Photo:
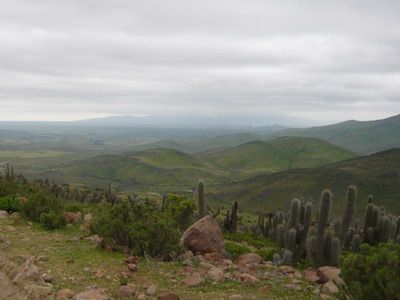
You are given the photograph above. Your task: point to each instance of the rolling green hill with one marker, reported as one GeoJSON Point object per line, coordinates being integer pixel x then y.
{"type": "Point", "coordinates": [361, 137]}
{"type": "Point", "coordinates": [377, 174]}
{"type": "Point", "coordinates": [259, 157]}
{"type": "Point", "coordinates": [163, 169]}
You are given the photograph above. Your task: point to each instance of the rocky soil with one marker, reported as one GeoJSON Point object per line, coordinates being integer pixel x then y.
{"type": "Point", "coordinates": [38, 264]}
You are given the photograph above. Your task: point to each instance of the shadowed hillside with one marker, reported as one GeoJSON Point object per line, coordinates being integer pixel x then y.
{"type": "Point", "coordinates": [377, 174]}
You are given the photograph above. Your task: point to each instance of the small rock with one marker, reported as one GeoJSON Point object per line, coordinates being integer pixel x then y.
{"type": "Point", "coordinates": [248, 277]}
{"type": "Point", "coordinates": [132, 260]}
{"type": "Point", "coordinates": [192, 280]}
{"type": "Point", "coordinates": [141, 297]}
{"type": "Point", "coordinates": [47, 278]}
{"type": "Point", "coordinates": [42, 258]}
{"type": "Point", "coordinates": [127, 291]}
{"type": "Point", "coordinates": [3, 214]}
{"type": "Point", "coordinates": [72, 217]}
{"type": "Point", "coordinates": [330, 288]}
{"type": "Point", "coordinates": [327, 273]}
{"type": "Point", "coordinates": [151, 290]}
{"type": "Point", "coordinates": [216, 274]}
{"type": "Point", "coordinates": [170, 296]}
{"type": "Point", "coordinates": [286, 269]}
{"type": "Point", "coordinates": [65, 294]}
{"type": "Point", "coordinates": [88, 218]}
{"type": "Point", "coordinates": [249, 259]}
{"type": "Point", "coordinates": [235, 297]}
{"type": "Point", "coordinates": [92, 294]}
{"type": "Point", "coordinates": [99, 273]}
{"type": "Point", "coordinates": [38, 291]}
{"type": "Point", "coordinates": [311, 275]}
{"type": "Point", "coordinates": [27, 271]}
{"type": "Point", "coordinates": [132, 267]}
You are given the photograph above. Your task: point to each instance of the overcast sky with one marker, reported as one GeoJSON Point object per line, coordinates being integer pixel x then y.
{"type": "Point", "coordinates": [325, 61]}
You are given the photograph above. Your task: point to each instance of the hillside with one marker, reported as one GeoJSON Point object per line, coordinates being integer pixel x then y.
{"type": "Point", "coordinates": [259, 157]}
{"type": "Point", "coordinates": [361, 137]}
{"type": "Point", "coordinates": [377, 174]}
{"type": "Point", "coordinates": [163, 169]}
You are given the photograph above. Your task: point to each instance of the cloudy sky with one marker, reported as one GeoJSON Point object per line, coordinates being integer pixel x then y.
{"type": "Point", "coordinates": [324, 61]}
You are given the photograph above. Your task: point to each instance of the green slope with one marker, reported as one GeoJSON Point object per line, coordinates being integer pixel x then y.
{"type": "Point", "coordinates": [377, 174]}
{"type": "Point", "coordinates": [361, 137]}
{"type": "Point", "coordinates": [160, 169]}
{"type": "Point", "coordinates": [280, 154]}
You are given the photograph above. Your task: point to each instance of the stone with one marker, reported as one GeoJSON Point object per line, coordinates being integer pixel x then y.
{"type": "Point", "coordinates": [28, 271]}
{"type": "Point", "coordinates": [169, 296]}
{"type": "Point", "coordinates": [235, 297]}
{"type": "Point", "coordinates": [192, 280]}
{"type": "Point", "coordinates": [311, 275]}
{"type": "Point", "coordinates": [88, 218]}
{"type": "Point", "coordinates": [91, 294]}
{"type": "Point", "coordinates": [327, 273]}
{"type": "Point", "coordinates": [42, 258]}
{"type": "Point", "coordinates": [330, 288]}
{"type": "Point", "coordinates": [141, 297]}
{"type": "Point", "coordinates": [216, 274]}
{"type": "Point", "coordinates": [132, 260]}
{"type": "Point", "coordinates": [96, 239]}
{"type": "Point", "coordinates": [286, 269]}
{"type": "Point", "coordinates": [248, 277]}
{"type": "Point", "coordinates": [3, 214]}
{"type": "Point", "coordinates": [204, 236]}
{"type": "Point", "coordinates": [151, 290]}
{"type": "Point", "coordinates": [249, 259]}
{"type": "Point", "coordinates": [99, 273]}
{"type": "Point", "coordinates": [132, 267]}
{"type": "Point", "coordinates": [72, 217]}
{"type": "Point", "coordinates": [65, 294]}
{"type": "Point", "coordinates": [36, 291]}
{"type": "Point", "coordinates": [47, 277]}
{"type": "Point", "coordinates": [127, 291]}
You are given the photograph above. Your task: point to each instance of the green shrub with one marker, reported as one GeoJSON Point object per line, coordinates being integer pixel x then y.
{"type": "Point", "coordinates": [235, 250]}
{"type": "Point", "coordinates": [374, 273]}
{"type": "Point", "coordinates": [10, 204]}
{"type": "Point", "coordinates": [52, 220]}
{"type": "Point", "coordinates": [141, 226]}
{"type": "Point", "coordinates": [41, 203]}
{"type": "Point", "coordinates": [73, 207]}
{"type": "Point", "coordinates": [268, 252]}
{"type": "Point", "coordinates": [181, 210]}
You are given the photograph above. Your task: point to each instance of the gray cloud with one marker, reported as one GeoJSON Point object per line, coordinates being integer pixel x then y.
{"type": "Point", "coordinates": [323, 60]}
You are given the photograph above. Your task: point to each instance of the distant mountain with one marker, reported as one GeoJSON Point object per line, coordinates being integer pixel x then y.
{"type": "Point", "coordinates": [358, 136]}
{"type": "Point", "coordinates": [162, 169]}
{"type": "Point", "coordinates": [377, 174]}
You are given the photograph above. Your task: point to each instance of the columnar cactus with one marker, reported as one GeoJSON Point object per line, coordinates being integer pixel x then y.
{"type": "Point", "coordinates": [351, 198]}
{"type": "Point", "coordinates": [201, 200]}
{"type": "Point", "coordinates": [232, 218]}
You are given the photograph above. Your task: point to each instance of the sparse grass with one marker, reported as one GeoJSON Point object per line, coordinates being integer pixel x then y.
{"type": "Point", "coordinates": [73, 263]}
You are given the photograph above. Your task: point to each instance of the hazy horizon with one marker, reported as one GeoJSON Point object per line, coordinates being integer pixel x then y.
{"type": "Point", "coordinates": [288, 62]}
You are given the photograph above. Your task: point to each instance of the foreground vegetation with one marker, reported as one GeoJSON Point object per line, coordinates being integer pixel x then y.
{"type": "Point", "coordinates": [151, 228]}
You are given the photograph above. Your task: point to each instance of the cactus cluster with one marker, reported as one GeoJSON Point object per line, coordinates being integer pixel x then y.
{"type": "Point", "coordinates": [322, 241]}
